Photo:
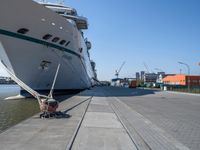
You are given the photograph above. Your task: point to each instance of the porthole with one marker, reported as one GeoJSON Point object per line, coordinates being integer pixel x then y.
{"type": "Point", "coordinates": [23, 30]}
{"type": "Point", "coordinates": [47, 36]}
{"type": "Point", "coordinates": [43, 19]}
{"type": "Point", "coordinates": [56, 39]}
{"type": "Point", "coordinates": [67, 43]}
{"type": "Point", "coordinates": [80, 49]}
{"type": "Point", "coordinates": [62, 42]}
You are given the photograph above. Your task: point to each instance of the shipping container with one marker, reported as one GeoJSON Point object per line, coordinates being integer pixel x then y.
{"type": "Point", "coordinates": [133, 84]}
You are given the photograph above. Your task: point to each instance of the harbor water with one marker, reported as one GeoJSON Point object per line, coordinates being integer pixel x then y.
{"type": "Point", "coordinates": [7, 90]}
{"type": "Point", "coordinates": [14, 111]}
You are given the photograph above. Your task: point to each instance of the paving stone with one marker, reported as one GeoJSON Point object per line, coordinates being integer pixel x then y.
{"type": "Point", "coordinates": [46, 134]}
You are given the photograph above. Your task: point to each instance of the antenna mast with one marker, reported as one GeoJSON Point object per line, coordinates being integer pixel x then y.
{"type": "Point", "coordinates": [61, 1]}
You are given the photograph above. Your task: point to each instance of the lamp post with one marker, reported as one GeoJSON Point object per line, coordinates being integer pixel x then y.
{"type": "Point", "coordinates": [180, 71]}
{"type": "Point", "coordinates": [160, 76]}
{"type": "Point", "coordinates": [188, 67]}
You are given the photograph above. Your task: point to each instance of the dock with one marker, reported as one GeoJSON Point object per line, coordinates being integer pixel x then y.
{"type": "Point", "coordinates": [113, 118]}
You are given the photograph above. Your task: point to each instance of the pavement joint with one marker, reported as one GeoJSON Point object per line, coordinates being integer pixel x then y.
{"type": "Point", "coordinates": [46, 134]}
{"type": "Point", "coordinates": [153, 135]}
{"type": "Point", "coordinates": [102, 130]}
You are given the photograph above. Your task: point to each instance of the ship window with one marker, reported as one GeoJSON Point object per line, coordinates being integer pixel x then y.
{"type": "Point", "coordinates": [80, 49]}
{"type": "Point", "coordinates": [67, 43]}
{"type": "Point", "coordinates": [43, 19]}
{"type": "Point", "coordinates": [62, 42]}
{"type": "Point", "coordinates": [59, 12]}
{"type": "Point", "coordinates": [23, 30]}
{"type": "Point", "coordinates": [47, 36]}
{"type": "Point", "coordinates": [56, 39]}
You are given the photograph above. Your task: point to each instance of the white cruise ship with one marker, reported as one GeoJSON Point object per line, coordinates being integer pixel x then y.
{"type": "Point", "coordinates": [35, 37]}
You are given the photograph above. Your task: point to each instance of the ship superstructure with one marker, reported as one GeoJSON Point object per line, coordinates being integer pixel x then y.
{"type": "Point", "coordinates": [36, 37]}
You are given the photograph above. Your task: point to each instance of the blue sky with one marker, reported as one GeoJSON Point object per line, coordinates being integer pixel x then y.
{"type": "Point", "coordinates": [156, 32]}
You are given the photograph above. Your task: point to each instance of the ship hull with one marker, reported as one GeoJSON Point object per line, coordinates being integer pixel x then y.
{"type": "Point", "coordinates": [33, 59]}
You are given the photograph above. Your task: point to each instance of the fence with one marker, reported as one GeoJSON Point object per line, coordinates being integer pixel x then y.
{"type": "Point", "coordinates": [193, 89]}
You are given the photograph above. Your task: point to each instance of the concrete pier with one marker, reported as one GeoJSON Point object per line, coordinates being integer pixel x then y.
{"type": "Point", "coordinates": [47, 134]}
{"type": "Point", "coordinates": [101, 129]}
{"type": "Point", "coordinates": [112, 118]}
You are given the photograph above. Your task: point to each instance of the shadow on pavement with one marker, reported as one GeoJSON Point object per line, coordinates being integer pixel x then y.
{"type": "Point", "coordinates": [106, 91]}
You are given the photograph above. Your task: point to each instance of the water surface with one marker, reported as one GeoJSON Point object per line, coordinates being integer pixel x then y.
{"type": "Point", "coordinates": [16, 110]}
{"type": "Point", "coordinates": [7, 90]}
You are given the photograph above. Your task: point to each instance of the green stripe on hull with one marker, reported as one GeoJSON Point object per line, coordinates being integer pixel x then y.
{"type": "Point", "coordinates": [34, 40]}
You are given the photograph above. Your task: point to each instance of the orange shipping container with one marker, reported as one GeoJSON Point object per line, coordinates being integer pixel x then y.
{"type": "Point", "coordinates": [133, 84]}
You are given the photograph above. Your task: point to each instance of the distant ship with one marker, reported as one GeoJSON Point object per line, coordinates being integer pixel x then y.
{"type": "Point", "coordinates": [37, 36]}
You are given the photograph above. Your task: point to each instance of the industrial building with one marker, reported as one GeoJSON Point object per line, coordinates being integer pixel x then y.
{"type": "Point", "coordinates": [137, 75]}
{"type": "Point", "coordinates": [6, 80]}
{"type": "Point", "coordinates": [150, 77]}
{"type": "Point", "coordinates": [180, 79]}
{"type": "Point", "coordinates": [142, 75]}
{"type": "Point", "coordinates": [122, 82]}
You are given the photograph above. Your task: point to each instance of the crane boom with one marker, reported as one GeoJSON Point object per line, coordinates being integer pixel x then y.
{"type": "Point", "coordinates": [121, 67]}
{"type": "Point", "coordinates": [118, 71]}
{"type": "Point", "coordinates": [145, 65]}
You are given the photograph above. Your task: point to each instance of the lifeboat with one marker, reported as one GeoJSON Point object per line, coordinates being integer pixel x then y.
{"type": "Point", "coordinates": [81, 22]}
{"type": "Point", "coordinates": [69, 13]}
{"type": "Point", "coordinates": [88, 44]}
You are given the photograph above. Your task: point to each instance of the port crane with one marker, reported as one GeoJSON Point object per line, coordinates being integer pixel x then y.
{"type": "Point", "coordinates": [118, 71]}
{"type": "Point", "coordinates": [147, 68]}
